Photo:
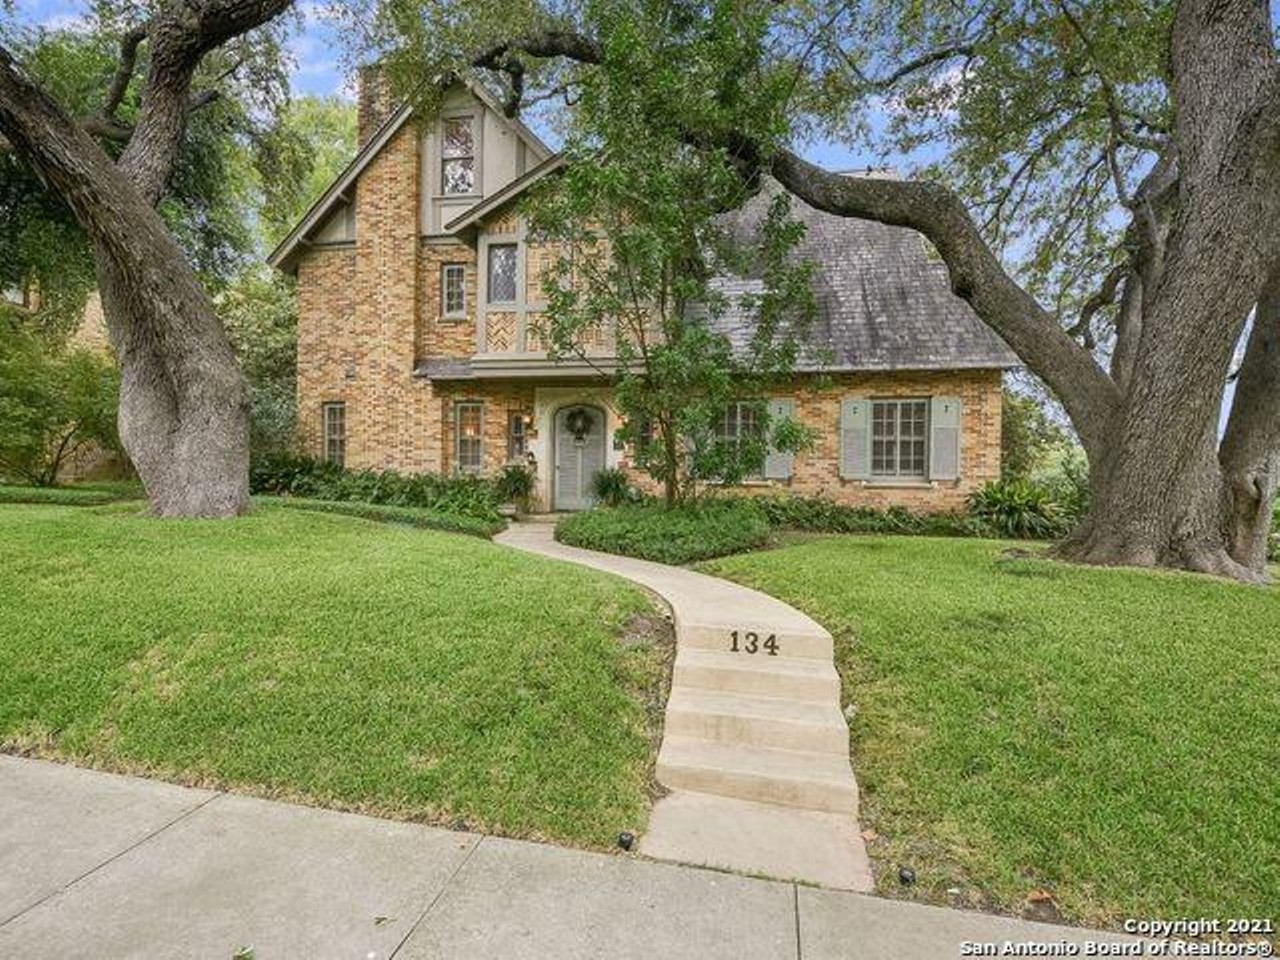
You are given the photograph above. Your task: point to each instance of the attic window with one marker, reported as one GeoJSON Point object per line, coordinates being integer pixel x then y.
{"type": "Point", "coordinates": [458, 170]}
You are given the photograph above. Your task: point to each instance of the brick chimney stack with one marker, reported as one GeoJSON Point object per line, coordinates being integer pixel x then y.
{"type": "Point", "coordinates": [373, 101]}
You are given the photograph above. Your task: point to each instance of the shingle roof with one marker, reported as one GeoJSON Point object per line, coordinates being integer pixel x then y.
{"type": "Point", "coordinates": [883, 304]}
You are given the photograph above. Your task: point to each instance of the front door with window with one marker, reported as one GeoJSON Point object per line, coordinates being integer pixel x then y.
{"type": "Point", "coordinates": [579, 452]}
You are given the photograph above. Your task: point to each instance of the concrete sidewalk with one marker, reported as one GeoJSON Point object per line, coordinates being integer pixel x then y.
{"type": "Point", "coordinates": [96, 865]}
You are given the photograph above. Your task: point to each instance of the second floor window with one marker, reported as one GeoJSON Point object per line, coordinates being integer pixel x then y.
{"type": "Point", "coordinates": [502, 273]}
{"type": "Point", "coordinates": [469, 431]}
{"type": "Point", "coordinates": [453, 290]}
{"type": "Point", "coordinates": [334, 416]}
{"type": "Point", "coordinates": [458, 170]}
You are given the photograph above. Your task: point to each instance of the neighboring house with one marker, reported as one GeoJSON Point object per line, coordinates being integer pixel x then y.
{"type": "Point", "coordinates": [417, 286]}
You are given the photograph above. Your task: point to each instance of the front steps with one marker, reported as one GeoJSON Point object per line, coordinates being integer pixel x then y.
{"type": "Point", "coordinates": [755, 749]}
{"type": "Point", "coordinates": [756, 721]}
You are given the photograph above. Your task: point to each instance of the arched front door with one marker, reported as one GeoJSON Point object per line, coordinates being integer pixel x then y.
{"type": "Point", "coordinates": [579, 451]}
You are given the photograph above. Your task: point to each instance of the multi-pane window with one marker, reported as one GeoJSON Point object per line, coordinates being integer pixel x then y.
{"type": "Point", "coordinates": [502, 273]}
{"type": "Point", "coordinates": [458, 170]}
{"type": "Point", "coordinates": [453, 290]}
{"type": "Point", "coordinates": [517, 436]}
{"type": "Point", "coordinates": [468, 431]}
{"type": "Point", "coordinates": [899, 438]}
{"type": "Point", "coordinates": [334, 416]}
{"type": "Point", "coordinates": [740, 423]}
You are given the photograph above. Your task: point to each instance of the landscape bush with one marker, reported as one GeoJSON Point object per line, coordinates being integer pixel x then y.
{"type": "Point", "coordinates": [60, 496]}
{"type": "Point", "coordinates": [387, 513]}
{"type": "Point", "coordinates": [612, 488]}
{"type": "Point", "coordinates": [1019, 509]}
{"type": "Point", "coordinates": [821, 515]}
{"type": "Point", "coordinates": [683, 534]}
{"type": "Point", "coordinates": [293, 476]}
{"type": "Point", "coordinates": [515, 485]}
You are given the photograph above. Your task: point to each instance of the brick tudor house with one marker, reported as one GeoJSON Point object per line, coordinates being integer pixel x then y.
{"type": "Point", "coordinates": [417, 286]}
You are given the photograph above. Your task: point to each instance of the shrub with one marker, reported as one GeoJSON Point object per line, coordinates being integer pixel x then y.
{"type": "Point", "coordinates": [62, 496]}
{"type": "Point", "coordinates": [515, 484]}
{"type": "Point", "coordinates": [306, 477]}
{"type": "Point", "coordinates": [386, 513]}
{"type": "Point", "coordinates": [612, 488]}
{"type": "Point", "coordinates": [821, 515]}
{"type": "Point", "coordinates": [1019, 509]}
{"type": "Point", "coordinates": [52, 403]}
{"type": "Point", "coordinates": [1067, 484]}
{"type": "Point", "coordinates": [683, 534]}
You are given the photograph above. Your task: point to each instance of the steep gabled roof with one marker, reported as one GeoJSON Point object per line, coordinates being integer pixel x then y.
{"type": "Point", "coordinates": [883, 302]}
{"type": "Point", "coordinates": [284, 255]}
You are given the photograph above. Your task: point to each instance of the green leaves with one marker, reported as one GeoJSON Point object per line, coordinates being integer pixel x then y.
{"type": "Point", "coordinates": [51, 404]}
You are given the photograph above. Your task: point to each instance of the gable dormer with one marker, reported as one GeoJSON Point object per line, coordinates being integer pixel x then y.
{"type": "Point", "coordinates": [470, 151]}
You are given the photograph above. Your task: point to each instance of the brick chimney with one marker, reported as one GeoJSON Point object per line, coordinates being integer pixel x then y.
{"type": "Point", "coordinates": [373, 101]}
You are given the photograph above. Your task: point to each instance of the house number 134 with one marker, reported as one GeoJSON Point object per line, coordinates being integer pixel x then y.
{"type": "Point", "coordinates": [750, 642]}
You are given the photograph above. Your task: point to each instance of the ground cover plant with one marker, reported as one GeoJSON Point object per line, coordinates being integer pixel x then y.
{"type": "Point", "coordinates": [1025, 728]}
{"type": "Point", "coordinates": [326, 659]}
{"type": "Point", "coordinates": [683, 534]}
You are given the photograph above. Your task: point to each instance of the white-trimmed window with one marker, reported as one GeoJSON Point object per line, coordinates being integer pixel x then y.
{"type": "Point", "coordinates": [458, 156]}
{"type": "Point", "coordinates": [468, 422]}
{"type": "Point", "coordinates": [517, 436]}
{"type": "Point", "coordinates": [334, 424]}
{"type": "Point", "coordinates": [502, 273]}
{"type": "Point", "coordinates": [900, 438]}
{"type": "Point", "coordinates": [453, 291]}
{"type": "Point", "coordinates": [741, 422]}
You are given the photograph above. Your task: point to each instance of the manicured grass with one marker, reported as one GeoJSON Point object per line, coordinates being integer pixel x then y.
{"type": "Point", "coordinates": [332, 660]}
{"type": "Point", "coordinates": [711, 528]}
{"type": "Point", "coordinates": [1110, 736]}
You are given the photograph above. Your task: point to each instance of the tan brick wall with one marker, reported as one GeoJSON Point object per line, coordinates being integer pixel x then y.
{"type": "Point", "coordinates": [500, 402]}
{"type": "Point", "coordinates": [438, 337]}
{"type": "Point", "coordinates": [359, 328]}
{"type": "Point", "coordinates": [368, 313]}
{"type": "Point", "coordinates": [816, 472]}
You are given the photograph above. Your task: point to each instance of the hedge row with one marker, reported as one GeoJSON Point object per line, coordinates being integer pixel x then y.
{"type": "Point", "coordinates": [61, 496]}
{"type": "Point", "coordinates": [419, 517]}
{"type": "Point", "coordinates": [316, 480]}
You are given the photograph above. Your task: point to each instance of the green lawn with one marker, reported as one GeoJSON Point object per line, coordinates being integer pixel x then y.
{"type": "Point", "coordinates": [1110, 736]}
{"type": "Point", "coordinates": [328, 659]}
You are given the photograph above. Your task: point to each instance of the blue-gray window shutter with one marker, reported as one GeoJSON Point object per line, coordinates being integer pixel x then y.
{"type": "Point", "coordinates": [778, 465]}
{"type": "Point", "coordinates": [944, 443]}
{"type": "Point", "coordinates": [855, 438]}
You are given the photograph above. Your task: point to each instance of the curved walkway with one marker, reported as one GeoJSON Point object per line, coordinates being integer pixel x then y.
{"type": "Point", "coordinates": [755, 749]}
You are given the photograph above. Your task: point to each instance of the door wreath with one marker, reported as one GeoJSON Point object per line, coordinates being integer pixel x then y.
{"type": "Point", "coordinates": [578, 423]}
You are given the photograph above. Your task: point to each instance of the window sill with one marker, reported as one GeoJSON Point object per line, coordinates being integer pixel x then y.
{"type": "Point", "coordinates": [901, 484]}
{"type": "Point", "coordinates": [454, 318]}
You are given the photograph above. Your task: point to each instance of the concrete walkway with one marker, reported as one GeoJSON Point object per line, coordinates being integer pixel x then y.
{"type": "Point", "coordinates": [98, 866]}
{"type": "Point", "coordinates": [755, 748]}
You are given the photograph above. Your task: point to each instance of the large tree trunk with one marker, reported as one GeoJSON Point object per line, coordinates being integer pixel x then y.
{"type": "Point", "coordinates": [183, 407]}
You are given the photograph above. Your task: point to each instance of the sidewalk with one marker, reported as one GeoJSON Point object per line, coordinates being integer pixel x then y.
{"type": "Point", "coordinates": [96, 865]}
